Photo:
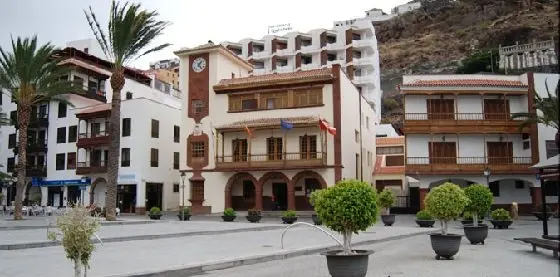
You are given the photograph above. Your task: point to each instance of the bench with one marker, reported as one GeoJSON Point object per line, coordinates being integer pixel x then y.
{"type": "Point", "coordinates": [542, 243]}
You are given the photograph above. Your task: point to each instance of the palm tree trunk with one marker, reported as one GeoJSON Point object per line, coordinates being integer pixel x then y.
{"type": "Point", "coordinates": [23, 116]}
{"type": "Point", "coordinates": [557, 138]}
{"type": "Point", "coordinates": [117, 83]}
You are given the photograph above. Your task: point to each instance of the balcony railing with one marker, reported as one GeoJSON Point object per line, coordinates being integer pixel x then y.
{"type": "Point", "coordinates": [91, 167]}
{"type": "Point", "coordinates": [259, 54]}
{"type": "Point", "coordinates": [467, 160]}
{"type": "Point", "coordinates": [362, 43]}
{"type": "Point", "coordinates": [91, 92]}
{"type": "Point", "coordinates": [459, 116]}
{"type": "Point", "coordinates": [272, 160]}
{"type": "Point", "coordinates": [447, 165]}
{"type": "Point", "coordinates": [32, 171]}
{"type": "Point", "coordinates": [93, 139]}
{"type": "Point", "coordinates": [34, 146]}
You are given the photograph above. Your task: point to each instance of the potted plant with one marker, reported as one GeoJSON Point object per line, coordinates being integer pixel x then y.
{"type": "Point", "coordinates": [445, 203]}
{"type": "Point", "coordinates": [537, 212]}
{"type": "Point", "coordinates": [424, 219]}
{"type": "Point", "coordinates": [501, 219]}
{"type": "Point", "coordinates": [289, 217]}
{"type": "Point", "coordinates": [155, 213]}
{"type": "Point", "coordinates": [184, 214]}
{"type": "Point", "coordinates": [480, 201]}
{"type": "Point", "coordinates": [316, 219]}
{"type": "Point", "coordinates": [468, 218]}
{"type": "Point", "coordinates": [348, 208]}
{"type": "Point", "coordinates": [229, 215]}
{"type": "Point", "coordinates": [254, 215]}
{"type": "Point", "coordinates": [385, 200]}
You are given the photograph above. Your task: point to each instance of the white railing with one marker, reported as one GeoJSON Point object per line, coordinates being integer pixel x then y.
{"type": "Point", "coordinates": [309, 66]}
{"type": "Point", "coordinates": [309, 48]}
{"type": "Point", "coordinates": [284, 68]}
{"type": "Point", "coordinates": [260, 54]}
{"type": "Point", "coordinates": [362, 43]}
{"type": "Point", "coordinates": [362, 61]}
{"type": "Point", "coordinates": [367, 78]}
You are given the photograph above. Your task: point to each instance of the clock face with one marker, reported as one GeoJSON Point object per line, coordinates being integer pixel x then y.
{"type": "Point", "coordinates": [199, 64]}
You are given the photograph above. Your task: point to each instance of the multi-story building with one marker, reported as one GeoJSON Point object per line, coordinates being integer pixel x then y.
{"type": "Point", "coordinates": [254, 141]}
{"type": "Point", "coordinates": [170, 64]}
{"type": "Point", "coordinates": [459, 128]}
{"type": "Point", "coordinates": [353, 47]}
{"type": "Point", "coordinates": [378, 15]}
{"type": "Point", "coordinates": [67, 149]}
{"type": "Point", "coordinates": [165, 79]}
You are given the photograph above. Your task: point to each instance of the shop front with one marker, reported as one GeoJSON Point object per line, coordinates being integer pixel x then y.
{"type": "Point", "coordinates": [62, 193]}
{"type": "Point", "coordinates": [126, 193]}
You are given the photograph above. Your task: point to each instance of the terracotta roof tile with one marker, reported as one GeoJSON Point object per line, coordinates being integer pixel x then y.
{"type": "Point", "coordinates": [268, 122]}
{"type": "Point", "coordinates": [389, 141]}
{"type": "Point", "coordinates": [465, 83]}
{"type": "Point", "coordinates": [96, 108]}
{"type": "Point", "coordinates": [309, 75]}
{"type": "Point", "coordinates": [380, 169]}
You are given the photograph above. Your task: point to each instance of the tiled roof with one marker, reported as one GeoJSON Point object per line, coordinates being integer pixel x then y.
{"type": "Point", "coordinates": [86, 65]}
{"type": "Point", "coordinates": [276, 78]}
{"type": "Point", "coordinates": [379, 169]}
{"type": "Point", "coordinates": [268, 122]}
{"type": "Point", "coordinates": [96, 108]}
{"type": "Point", "coordinates": [389, 141]}
{"type": "Point", "coordinates": [465, 83]}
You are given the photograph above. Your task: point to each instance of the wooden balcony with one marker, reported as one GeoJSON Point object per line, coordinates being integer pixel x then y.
{"type": "Point", "coordinates": [32, 171]}
{"type": "Point", "coordinates": [39, 146]}
{"type": "Point", "coordinates": [271, 161]}
{"type": "Point", "coordinates": [91, 167]}
{"type": "Point", "coordinates": [468, 165]}
{"type": "Point", "coordinates": [89, 140]}
{"type": "Point", "coordinates": [422, 123]}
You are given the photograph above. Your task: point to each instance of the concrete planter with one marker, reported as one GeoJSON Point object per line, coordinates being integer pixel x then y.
{"type": "Point", "coordinates": [187, 217]}
{"type": "Point", "coordinates": [254, 218]}
{"type": "Point", "coordinates": [155, 216]}
{"type": "Point", "coordinates": [229, 218]}
{"type": "Point", "coordinates": [476, 234]}
{"type": "Point", "coordinates": [445, 246]}
{"type": "Point", "coordinates": [501, 224]}
{"type": "Point", "coordinates": [355, 265]}
{"type": "Point", "coordinates": [388, 219]}
{"type": "Point", "coordinates": [316, 220]}
{"type": "Point", "coordinates": [425, 223]}
{"type": "Point", "coordinates": [289, 220]}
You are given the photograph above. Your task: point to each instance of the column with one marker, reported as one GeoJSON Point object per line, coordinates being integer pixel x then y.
{"type": "Point", "coordinates": [64, 196]}
{"type": "Point", "coordinates": [140, 198]}
{"type": "Point", "coordinates": [44, 196]}
{"type": "Point", "coordinates": [291, 196]}
{"type": "Point", "coordinates": [227, 199]}
{"type": "Point", "coordinates": [4, 192]}
{"type": "Point", "coordinates": [536, 196]}
{"type": "Point", "coordinates": [423, 193]}
{"type": "Point", "coordinates": [259, 196]}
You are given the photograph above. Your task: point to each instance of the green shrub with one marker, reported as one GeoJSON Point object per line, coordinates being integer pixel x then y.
{"type": "Point", "coordinates": [184, 210]}
{"type": "Point", "coordinates": [500, 214]}
{"type": "Point", "coordinates": [385, 199]}
{"type": "Point", "coordinates": [254, 212]}
{"type": "Point", "coordinates": [480, 200]}
{"type": "Point", "coordinates": [229, 212]}
{"type": "Point", "coordinates": [289, 213]}
{"type": "Point", "coordinates": [348, 207]}
{"type": "Point", "coordinates": [155, 210]}
{"type": "Point", "coordinates": [446, 202]}
{"type": "Point", "coordinates": [424, 215]}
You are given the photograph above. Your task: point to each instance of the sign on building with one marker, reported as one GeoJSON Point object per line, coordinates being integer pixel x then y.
{"type": "Point", "coordinates": [278, 29]}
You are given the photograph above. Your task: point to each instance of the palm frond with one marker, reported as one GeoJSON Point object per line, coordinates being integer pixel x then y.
{"type": "Point", "coordinates": [546, 110]}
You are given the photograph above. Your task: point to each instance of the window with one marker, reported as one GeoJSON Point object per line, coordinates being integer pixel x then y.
{"type": "Point", "coordinates": [526, 144]}
{"type": "Point", "coordinates": [499, 152]}
{"type": "Point", "coordinates": [496, 109]}
{"type": "Point", "coordinates": [249, 104]}
{"type": "Point", "coordinates": [519, 184]}
{"type": "Point", "coordinates": [495, 188]}
{"type": "Point", "coordinates": [271, 103]}
{"type": "Point", "coordinates": [71, 160]}
{"type": "Point", "coordinates": [125, 157]}
{"type": "Point", "coordinates": [239, 150]}
{"type": "Point", "coordinates": [126, 127]}
{"type": "Point", "coordinates": [394, 160]}
{"type": "Point", "coordinates": [274, 148]}
{"type": "Point", "coordinates": [390, 150]}
{"type": "Point", "coordinates": [441, 109]}
{"type": "Point", "coordinates": [197, 106]}
{"type": "Point", "coordinates": [357, 166]}
{"type": "Point", "coordinates": [197, 149]}
{"type": "Point", "coordinates": [154, 157]}
{"type": "Point", "coordinates": [175, 160]}
{"type": "Point", "coordinates": [357, 136]}
{"type": "Point", "coordinates": [12, 141]}
{"type": "Point", "coordinates": [442, 152]}
{"type": "Point", "coordinates": [60, 160]}
{"type": "Point", "coordinates": [551, 149]}
{"type": "Point", "coordinates": [61, 135]}
{"type": "Point", "coordinates": [308, 147]}
{"type": "Point", "coordinates": [155, 128]}
{"type": "Point", "coordinates": [11, 164]}
{"type": "Point", "coordinates": [128, 95]}
{"type": "Point", "coordinates": [308, 97]}
{"type": "Point", "coordinates": [176, 133]}
{"type": "Point", "coordinates": [62, 108]}
{"type": "Point", "coordinates": [72, 133]}
{"type": "Point", "coordinates": [175, 188]}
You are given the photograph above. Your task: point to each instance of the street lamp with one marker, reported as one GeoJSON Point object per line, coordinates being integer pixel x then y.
{"type": "Point", "coordinates": [183, 175]}
{"type": "Point", "coordinates": [82, 188]}
{"type": "Point", "coordinates": [487, 173]}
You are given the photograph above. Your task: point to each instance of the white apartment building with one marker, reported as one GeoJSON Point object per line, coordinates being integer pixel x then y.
{"type": "Point", "coordinates": [165, 64]}
{"type": "Point", "coordinates": [378, 15]}
{"type": "Point", "coordinates": [459, 128]}
{"type": "Point", "coordinates": [67, 150]}
{"type": "Point", "coordinates": [353, 47]}
{"type": "Point", "coordinates": [238, 154]}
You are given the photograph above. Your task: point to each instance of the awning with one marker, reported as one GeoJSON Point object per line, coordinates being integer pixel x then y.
{"type": "Point", "coordinates": [550, 163]}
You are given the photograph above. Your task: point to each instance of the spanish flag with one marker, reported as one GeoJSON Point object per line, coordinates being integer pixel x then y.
{"type": "Point", "coordinates": [324, 126]}
{"type": "Point", "coordinates": [249, 132]}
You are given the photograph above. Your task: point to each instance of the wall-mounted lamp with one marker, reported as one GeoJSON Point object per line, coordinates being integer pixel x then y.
{"type": "Point", "coordinates": [501, 138]}
{"type": "Point", "coordinates": [443, 138]}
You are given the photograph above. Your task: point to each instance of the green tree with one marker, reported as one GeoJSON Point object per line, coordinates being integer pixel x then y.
{"type": "Point", "coordinates": [481, 61]}
{"type": "Point", "coordinates": [129, 32]}
{"type": "Point", "coordinates": [30, 74]}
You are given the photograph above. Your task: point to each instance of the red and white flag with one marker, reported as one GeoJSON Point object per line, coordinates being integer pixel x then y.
{"type": "Point", "coordinates": [326, 127]}
{"type": "Point", "coordinates": [249, 131]}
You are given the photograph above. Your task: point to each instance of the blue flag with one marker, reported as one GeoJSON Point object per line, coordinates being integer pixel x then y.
{"type": "Point", "coordinates": [286, 125]}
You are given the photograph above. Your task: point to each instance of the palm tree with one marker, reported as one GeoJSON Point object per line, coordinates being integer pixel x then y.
{"type": "Point", "coordinates": [130, 30]}
{"type": "Point", "coordinates": [30, 74]}
{"type": "Point", "coordinates": [547, 112]}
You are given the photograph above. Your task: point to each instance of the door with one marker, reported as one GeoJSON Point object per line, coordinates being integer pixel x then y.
{"type": "Point", "coordinates": [154, 195]}
{"type": "Point", "coordinates": [280, 193]}
{"type": "Point", "coordinates": [42, 137]}
{"type": "Point", "coordinates": [443, 153]}
{"type": "Point", "coordinates": [239, 147]}
{"type": "Point", "coordinates": [73, 195]}
{"type": "Point", "coordinates": [441, 109]}
{"type": "Point", "coordinates": [496, 109]}
{"type": "Point", "coordinates": [95, 129]}
{"type": "Point", "coordinates": [95, 158]}
{"type": "Point", "coordinates": [274, 148]}
{"type": "Point", "coordinates": [414, 198]}
{"type": "Point", "coordinates": [499, 152]}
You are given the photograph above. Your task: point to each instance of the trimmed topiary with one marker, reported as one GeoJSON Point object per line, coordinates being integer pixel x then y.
{"type": "Point", "coordinates": [385, 200]}
{"type": "Point", "coordinates": [446, 202]}
{"type": "Point", "coordinates": [480, 200]}
{"type": "Point", "coordinates": [155, 210]}
{"type": "Point", "coordinates": [348, 207]}
{"type": "Point", "coordinates": [289, 213]}
{"type": "Point", "coordinates": [229, 212]}
{"type": "Point", "coordinates": [500, 214]}
{"type": "Point", "coordinates": [424, 215]}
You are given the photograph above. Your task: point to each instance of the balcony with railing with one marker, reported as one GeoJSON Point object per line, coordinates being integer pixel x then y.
{"type": "Point", "coordinates": [272, 160]}
{"type": "Point", "coordinates": [459, 122]}
{"type": "Point", "coordinates": [37, 120]}
{"type": "Point", "coordinates": [362, 43]}
{"type": "Point", "coordinates": [33, 171]}
{"type": "Point", "coordinates": [467, 165]}
{"type": "Point", "coordinates": [92, 139]}
{"type": "Point", "coordinates": [91, 167]}
{"type": "Point", "coordinates": [34, 146]}
{"type": "Point", "coordinates": [91, 92]}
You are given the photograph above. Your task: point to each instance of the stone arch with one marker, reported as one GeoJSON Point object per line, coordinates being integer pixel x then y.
{"type": "Point", "coordinates": [302, 201]}
{"type": "Point", "coordinates": [240, 176]}
{"type": "Point", "coordinates": [310, 174]}
{"type": "Point", "coordinates": [92, 189]}
{"type": "Point", "coordinates": [275, 201]}
{"type": "Point", "coordinates": [517, 189]}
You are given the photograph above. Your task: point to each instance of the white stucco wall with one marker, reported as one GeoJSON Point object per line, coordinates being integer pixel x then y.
{"type": "Point", "coordinates": [465, 104]}
{"type": "Point", "coordinates": [545, 132]}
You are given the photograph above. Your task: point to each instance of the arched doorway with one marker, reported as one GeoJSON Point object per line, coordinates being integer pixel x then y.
{"type": "Point", "coordinates": [509, 190]}
{"type": "Point", "coordinates": [240, 192]}
{"type": "Point", "coordinates": [276, 193]}
{"type": "Point", "coordinates": [305, 182]}
{"type": "Point", "coordinates": [98, 192]}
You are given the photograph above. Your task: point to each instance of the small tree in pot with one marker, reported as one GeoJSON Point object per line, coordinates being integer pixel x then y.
{"type": "Point", "coordinates": [424, 219]}
{"type": "Point", "coordinates": [155, 213]}
{"type": "Point", "coordinates": [184, 214]}
{"type": "Point", "coordinates": [385, 200]}
{"type": "Point", "coordinates": [348, 207]}
{"type": "Point", "coordinates": [480, 200]}
{"type": "Point", "coordinates": [289, 217]}
{"type": "Point", "coordinates": [501, 219]}
{"type": "Point", "coordinates": [229, 215]}
{"type": "Point", "coordinates": [445, 203]}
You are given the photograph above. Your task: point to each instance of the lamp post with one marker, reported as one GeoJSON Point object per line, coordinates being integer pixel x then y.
{"type": "Point", "coordinates": [183, 175]}
{"type": "Point", "coordinates": [82, 188]}
{"type": "Point", "coordinates": [487, 173]}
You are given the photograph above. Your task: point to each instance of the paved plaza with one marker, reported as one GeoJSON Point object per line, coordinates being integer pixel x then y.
{"type": "Point", "coordinates": [199, 247]}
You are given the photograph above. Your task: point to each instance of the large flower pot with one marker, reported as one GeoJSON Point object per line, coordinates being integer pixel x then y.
{"type": "Point", "coordinates": [155, 216]}
{"type": "Point", "coordinates": [254, 218]}
{"type": "Point", "coordinates": [469, 222]}
{"type": "Point", "coordinates": [445, 246]}
{"type": "Point", "coordinates": [228, 218]}
{"type": "Point", "coordinates": [388, 219]}
{"type": "Point", "coordinates": [316, 220]}
{"type": "Point", "coordinates": [476, 234]}
{"type": "Point", "coordinates": [289, 220]}
{"type": "Point", "coordinates": [540, 216]}
{"type": "Point", "coordinates": [354, 265]}
{"type": "Point", "coordinates": [425, 223]}
{"type": "Point", "coordinates": [501, 224]}
{"type": "Point", "coordinates": [187, 217]}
